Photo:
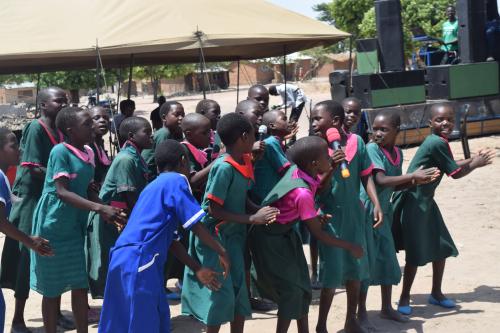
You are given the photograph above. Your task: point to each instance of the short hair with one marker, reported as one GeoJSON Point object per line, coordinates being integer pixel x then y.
{"type": "Point", "coordinates": [168, 154]}
{"type": "Point", "coordinates": [335, 109]}
{"type": "Point", "coordinates": [204, 104]}
{"type": "Point", "coordinates": [257, 87]}
{"type": "Point", "coordinates": [126, 103]}
{"type": "Point", "coordinates": [273, 90]}
{"type": "Point", "coordinates": [193, 120]}
{"type": "Point", "coordinates": [232, 126]}
{"type": "Point", "coordinates": [166, 107]}
{"type": "Point", "coordinates": [131, 125]}
{"type": "Point", "coordinates": [4, 133]}
{"type": "Point", "coordinates": [270, 116]}
{"type": "Point", "coordinates": [437, 106]}
{"type": "Point", "coordinates": [46, 93]}
{"type": "Point", "coordinates": [67, 118]}
{"type": "Point", "coordinates": [161, 100]}
{"type": "Point", "coordinates": [305, 150]}
{"type": "Point", "coordinates": [246, 104]}
{"type": "Point", "coordinates": [351, 100]}
{"type": "Point", "coordinates": [393, 116]}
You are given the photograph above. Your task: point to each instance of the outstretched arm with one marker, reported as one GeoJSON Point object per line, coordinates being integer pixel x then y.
{"type": "Point", "coordinates": [369, 185]}
{"type": "Point", "coordinates": [264, 215]}
{"type": "Point", "coordinates": [483, 158]}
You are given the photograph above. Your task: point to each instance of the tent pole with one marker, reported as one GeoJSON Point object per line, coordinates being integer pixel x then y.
{"type": "Point", "coordinates": [37, 91]}
{"type": "Point", "coordinates": [349, 83]}
{"type": "Point", "coordinates": [238, 84]}
{"type": "Point", "coordinates": [284, 76]}
{"type": "Point", "coordinates": [129, 90]}
{"type": "Point", "coordinates": [97, 83]}
{"type": "Point", "coordinates": [202, 75]}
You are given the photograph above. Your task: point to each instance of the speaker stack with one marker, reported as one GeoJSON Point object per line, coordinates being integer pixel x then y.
{"type": "Point", "coordinates": [339, 85]}
{"type": "Point", "coordinates": [471, 30]}
{"type": "Point", "coordinates": [390, 35]}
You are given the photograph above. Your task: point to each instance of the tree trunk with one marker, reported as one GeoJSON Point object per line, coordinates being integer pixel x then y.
{"type": "Point", "coordinates": [74, 96]}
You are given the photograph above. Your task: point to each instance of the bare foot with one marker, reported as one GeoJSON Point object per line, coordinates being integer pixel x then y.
{"type": "Point", "coordinates": [391, 314]}
{"type": "Point", "coordinates": [20, 328]}
{"type": "Point", "coordinates": [365, 322]}
{"type": "Point", "coordinates": [353, 326]}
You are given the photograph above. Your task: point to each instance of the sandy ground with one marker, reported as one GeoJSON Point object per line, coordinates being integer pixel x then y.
{"type": "Point", "coordinates": [470, 207]}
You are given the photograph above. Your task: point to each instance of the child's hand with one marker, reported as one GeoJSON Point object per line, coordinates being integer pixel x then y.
{"type": "Point", "coordinates": [324, 218]}
{"type": "Point", "coordinates": [356, 251]}
{"type": "Point", "coordinates": [337, 158]}
{"type": "Point", "coordinates": [112, 215]}
{"type": "Point", "coordinates": [265, 215]}
{"type": "Point", "coordinates": [425, 176]}
{"type": "Point", "coordinates": [293, 129]}
{"type": "Point", "coordinates": [225, 262]}
{"type": "Point", "coordinates": [208, 278]}
{"type": "Point", "coordinates": [41, 246]}
{"type": "Point", "coordinates": [378, 216]}
{"type": "Point", "coordinates": [485, 156]}
{"type": "Point", "coordinates": [94, 187]}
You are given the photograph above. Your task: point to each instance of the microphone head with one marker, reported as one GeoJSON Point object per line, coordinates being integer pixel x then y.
{"type": "Point", "coordinates": [332, 135]}
{"type": "Point", "coordinates": [262, 129]}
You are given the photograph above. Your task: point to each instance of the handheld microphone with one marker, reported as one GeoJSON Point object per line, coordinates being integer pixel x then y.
{"type": "Point", "coordinates": [333, 137]}
{"type": "Point", "coordinates": [262, 132]}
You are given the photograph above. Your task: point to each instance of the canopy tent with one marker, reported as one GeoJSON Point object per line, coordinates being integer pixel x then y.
{"type": "Point", "coordinates": [39, 36]}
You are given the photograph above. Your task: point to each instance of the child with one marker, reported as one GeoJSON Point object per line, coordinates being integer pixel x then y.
{"type": "Point", "coordinates": [171, 114]}
{"type": "Point", "coordinates": [9, 155]}
{"type": "Point", "coordinates": [100, 116]}
{"type": "Point", "coordinates": [277, 248]}
{"type": "Point", "coordinates": [342, 201]}
{"type": "Point", "coordinates": [260, 94]}
{"type": "Point", "coordinates": [352, 110]}
{"type": "Point", "coordinates": [252, 111]}
{"type": "Point", "coordinates": [39, 136]}
{"type": "Point", "coordinates": [126, 178]}
{"type": "Point", "coordinates": [61, 217]}
{"type": "Point", "coordinates": [425, 236]}
{"type": "Point", "coordinates": [226, 203]}
{"type": "Point", "coordinates": [387, 160]}
{"type": "Point", "coordinates": [127, 108]}
{"type": "Point", "coordinates": [134, 298]}
{"type": "Point", "coordinates": [211, 109]}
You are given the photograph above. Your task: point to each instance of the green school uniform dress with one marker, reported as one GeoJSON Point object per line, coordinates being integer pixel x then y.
{"type": "Point", "coordinates": [149, 154]}
{"type": "Point", "coordinates": [269, 169]}
{"type": "Point", "coordinates": [277, 253]}
{"type": "Point", "coordinates": [128, 173]}
{"type": "Point", "coordinates": [102, 163]}
{"type": "Point", "coordinates": [425, 236]}
{"type": "Point", "coordinates": [63, 225]}
{"type": "Point", "coordinates": [348, 219]}
{"type": "Point", "coordinates": [228, 184]}
{"type": "Point", "coordinates": [384, 266]}
{"type": "Point", "coordinates": [36, 143]}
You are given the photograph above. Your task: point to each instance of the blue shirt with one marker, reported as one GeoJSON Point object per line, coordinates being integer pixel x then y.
{"type": "Point", "coordinates": [5, 193]}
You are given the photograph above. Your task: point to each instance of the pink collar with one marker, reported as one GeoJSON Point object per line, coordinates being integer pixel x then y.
{"type": "Point", "coordinates": [389, 156]}
{"type": "Point", "coordinates": [87, 156]}
{"type": "Point", "coordinates": [313, 183]}
{"type": "Point", "coordinates": [49, 134]}
{"type": "Point", "coordinates": [101, 155]}
{"type": "Point", "coordinates": [351, 147]}
{"type": "Point", "coordinates": [199, 156]}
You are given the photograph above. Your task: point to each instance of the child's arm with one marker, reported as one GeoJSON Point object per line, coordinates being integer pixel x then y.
{"type": "Point", "coordinates": [314, 227]}
{"type": "Point", "coordinates": [369, 185]}
{"type": "Point", "coordinates": [198, 179]}
{"type": "Point", "coordinates": [483, 158]}
{"type": "Point", "coordinates": [418, 177]}
{"type": "Point", "coordinates": [37, 244]}
{"type": "Point", "coordinates": [337, 158]}
{"type": "Point", "coordinates": [205, 275]}
{"type": "Point", "coordinates": [107, 212]}
{"type": "Point", "coordinates": [202, 233]}
{"type": "Point", "coordinates": [265, 215]}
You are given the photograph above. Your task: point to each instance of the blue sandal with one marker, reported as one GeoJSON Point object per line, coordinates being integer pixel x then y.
{"type": "Point", "coordinates": [405, 309]}
{"type": "Point", "coordinates": [445, 303]}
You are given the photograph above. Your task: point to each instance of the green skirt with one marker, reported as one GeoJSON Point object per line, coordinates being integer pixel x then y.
{"type": "Point", "coordinates": [282, 272]}
{"type": "Point", "coordinates": [15, 269]}
{"type": "Point", "coordinates": [425, 236]}
{"type": "Point", "coordinates": [101, 237]}
{"type": "Point", "coordinates": [217, 307]}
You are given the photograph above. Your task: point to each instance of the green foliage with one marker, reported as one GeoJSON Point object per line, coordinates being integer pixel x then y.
{"type": "Point", "coordinates": [344, 14]}
{"type": "Point", "coordinates": [162, 71]}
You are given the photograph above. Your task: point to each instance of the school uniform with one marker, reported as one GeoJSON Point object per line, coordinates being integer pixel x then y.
{"type": "Point", "coordinates": [228, 183]}
{"type": "Point", "coordinates": [135, 299]}
{"type": "Point", "coordinates": [128, 173]}
{"type": "Point", "coordinates": [384, 266]}
{"type": "Point", "coordinates": [425, 236]}
{"type": "Point", "coordinates": [102, 162]}
{"type": "Point", "coordinates": [348, 222]}
{"type": "Point", "coordinates": [149, 154]}
{"type": "Point", "coordinates": [63, 225]}
{"type": "Point", "coordinates": [36, 143]}
{"type": "Point", "coordinates": [282, 272]}
{"type": "Point", "coordinates": [5, 199]}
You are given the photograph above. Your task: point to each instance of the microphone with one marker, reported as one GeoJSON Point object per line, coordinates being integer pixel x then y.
{"type": "Point", "coordinates": [333, 137]}
{"type": "Point", "coordinates": [262, 132]}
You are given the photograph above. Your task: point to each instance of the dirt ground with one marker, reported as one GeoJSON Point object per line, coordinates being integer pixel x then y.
{"type": "Point", "coordinates": [470, 207]}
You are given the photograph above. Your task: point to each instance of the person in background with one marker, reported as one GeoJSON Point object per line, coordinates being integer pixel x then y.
{"type": "Point", "coordinates": [450, 36]}
{"type": "Point", "coordinates": [155, 118]}
{"type": "Point", "coordinates": [293, 98]}
{"type": "Point", "coordinates": [127, 108]}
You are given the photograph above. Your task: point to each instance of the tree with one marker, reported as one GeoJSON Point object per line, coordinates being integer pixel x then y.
{"type": "Point", "coordinates": [344, 14]}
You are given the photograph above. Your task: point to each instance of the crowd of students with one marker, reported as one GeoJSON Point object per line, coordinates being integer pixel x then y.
{"type": "Point", "coordinates": [217, 205]}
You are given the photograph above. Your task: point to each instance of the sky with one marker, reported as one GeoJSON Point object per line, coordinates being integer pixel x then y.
{"type": "Point", "coordinates": [300, 6]}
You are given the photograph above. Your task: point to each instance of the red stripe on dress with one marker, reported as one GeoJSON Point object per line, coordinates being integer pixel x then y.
{"type": "Point", "coordinates": [215, 199]}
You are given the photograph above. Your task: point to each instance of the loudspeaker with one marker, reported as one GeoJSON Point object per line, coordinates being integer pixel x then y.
{"type": "Point", "coordinates": [392, 88]}
{"type": "Point", "coordinates": [471, 30]}
{"type": "Point", "coordinates": [462, 81]}
{"type": "Point", "coordinates": [390, 35]}
{"type": "Point", "coordinates": [339, 85]}
{"type": "Point", "coordinates": [367, 56]}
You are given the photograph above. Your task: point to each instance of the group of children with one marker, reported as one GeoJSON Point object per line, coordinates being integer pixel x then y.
{"type": "Point", "coordinates": [217, 204]}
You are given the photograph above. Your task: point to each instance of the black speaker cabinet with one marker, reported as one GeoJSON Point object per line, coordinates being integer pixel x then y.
{"type": "Point", "coordinates": [471, 30]}
{"type": "Point", "coordinates": [390, 35]}
{"type": "Point", "coordinates": [339, 85]}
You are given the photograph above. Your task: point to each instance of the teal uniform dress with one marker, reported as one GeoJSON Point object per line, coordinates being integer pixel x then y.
{"type": "Point", "coordinates": [149, 154]}
{"type": "Point", "coordinates": [425, 236]}
{"type": "Point", "coordinates": [228, 183]}
{"type": "Point", "coordinates": [269, 169]}
{"type": "Point", "coordinates": [63, 225]}
{"type": "Point", "coordinates": [384, 266]}
{"type": "Point", "coordinates": [36, 143]}
{"type": "Point", "coordinates": [348, 219]}
{"type": "Point", "coordinates": [128, 173]}
{"type": "Point", "coordinates": [102, 163]}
